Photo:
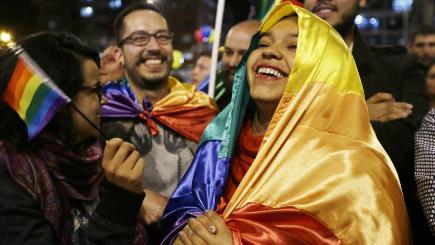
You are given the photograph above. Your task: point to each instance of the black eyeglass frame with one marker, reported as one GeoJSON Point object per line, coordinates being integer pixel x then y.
{"type": "Point", "coordinates": [95, 89]}
{"type": "Point", "coordinates": [129, 38]}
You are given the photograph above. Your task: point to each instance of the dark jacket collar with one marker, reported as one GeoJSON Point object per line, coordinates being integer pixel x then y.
{"type": "Point", "coordinates": [361, 52]}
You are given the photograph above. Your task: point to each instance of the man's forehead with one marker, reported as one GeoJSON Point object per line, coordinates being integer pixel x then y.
{"type": "Point", "coordinates": [236, 47]}
{"type": "Point", "coordinates": [145, 19]}
{"type": "Point", "coordinates": [238, 40]}
{"type": "Point", "coordinates": [425, 37]}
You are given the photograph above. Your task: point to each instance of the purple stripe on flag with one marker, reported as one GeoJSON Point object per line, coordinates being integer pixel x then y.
{"type": "Point", "coordinates": [48, 108]}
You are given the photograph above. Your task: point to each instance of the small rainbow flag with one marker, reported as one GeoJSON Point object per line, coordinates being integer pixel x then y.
{"type": "Point", "coordinates": [32, 94]}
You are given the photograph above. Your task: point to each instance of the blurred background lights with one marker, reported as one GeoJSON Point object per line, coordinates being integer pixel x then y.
{"type": "Point", "coordinates": [367, 23]}
{"type": "Point", "coordinates": [86, 11]}
{"type": "Point", "coordinates": [204, 34]}
{"type": "Point", "coordinates": [374, 23]}
{"type": "Point", "coordinates": [115, 4]}
{"type": "Point", "coordinates": [402, 5]}
{"type": "Point", "coordinates": [5, 37]}
{"type": "Point", "coordinates": [359, 19]}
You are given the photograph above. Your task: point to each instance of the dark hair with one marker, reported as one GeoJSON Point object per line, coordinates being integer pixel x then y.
{"type": "Point", "coordinates": [119, 21]}
{"type": "Point", "coordinates": [61, 56]}
{"type": "Point", "coordinates": [204, 53]}
{"type": "Point", "coordinates": [425, 30]}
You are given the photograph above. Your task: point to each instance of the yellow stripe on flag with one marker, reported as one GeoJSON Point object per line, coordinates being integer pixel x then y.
{"type": "Point", "coordinates": [28, 93]}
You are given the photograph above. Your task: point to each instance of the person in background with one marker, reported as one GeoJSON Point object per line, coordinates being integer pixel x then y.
{"type": "Point", "coordinates": [162, 117]}
{"type": "Point", "coordinates": [425, 167]}
{"type": "Point", "coordinates": [112, 64]}
{"type": "Point", "coordinates": [423, 45]}
{"type": "Point", "coordinates": [236, 43]}
{"type": "Point", "coordinates": [51, 187]}
{"type": "Point", "coordinates": [286, 162]}
{"type": "Point", "coordinates": [201, 70]}
{"type": "Point", "coordinates": [395, 93]}
{"type": "Point", "coordinates": [430, 83]}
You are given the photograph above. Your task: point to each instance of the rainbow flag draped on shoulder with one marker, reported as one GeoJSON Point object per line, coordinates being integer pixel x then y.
{"type": "Point", "coordinates": [320, 175]}
{"type": "Point", "coordinates": [183, 109]}
{"type": "Point", "coordinates": [32, 94]}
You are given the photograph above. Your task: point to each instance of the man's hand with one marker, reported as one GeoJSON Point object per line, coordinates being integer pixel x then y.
{"type": "Point", "coordinates": [208, 229]}
{"type": "Point", "coordinates": [152, 207]}
{"type": "Point", "coordinates": [122, 165]}
{"type": "Point", "coordinates": [383, 108]}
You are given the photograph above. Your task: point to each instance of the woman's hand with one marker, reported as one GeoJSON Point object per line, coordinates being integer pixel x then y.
{"type": "Point", "coordinates": [209, 228]}
{"type": "Point", "coordinates": [123, 165]}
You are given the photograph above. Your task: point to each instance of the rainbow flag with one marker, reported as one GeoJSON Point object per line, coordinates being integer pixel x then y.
{"type": "Point", "coordinates": [320, 175]}
{"type": "Point", "coordinates": [32, 94]}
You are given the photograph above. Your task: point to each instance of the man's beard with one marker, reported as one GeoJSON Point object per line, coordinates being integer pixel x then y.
{"type": "Point", "coordinates": [347, 25]}
{"type": "Point", "coordinates": [149, 83]}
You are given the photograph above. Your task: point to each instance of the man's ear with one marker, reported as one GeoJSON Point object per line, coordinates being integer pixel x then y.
{"type": "Point", "coordinates": [362, 3]}
{"type": "Point", "coordinates": [119, 56]}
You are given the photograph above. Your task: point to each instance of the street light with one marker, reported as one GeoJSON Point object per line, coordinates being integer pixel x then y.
{"type": "Point", "coordinates": [5, 37]}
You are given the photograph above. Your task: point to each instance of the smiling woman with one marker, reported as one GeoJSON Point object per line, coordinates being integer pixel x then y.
{"type": "Point", "coordinates": [293, 158]}
{"type": "Point", "coordinates": [269, 66]}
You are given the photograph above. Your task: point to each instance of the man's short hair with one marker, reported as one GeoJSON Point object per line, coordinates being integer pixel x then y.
{"type": "Point", "coordinates": [119, 21]}
{"type": "Point", "coordinates": [425, 30]}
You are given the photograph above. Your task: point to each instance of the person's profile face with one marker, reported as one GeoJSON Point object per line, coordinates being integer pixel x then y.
{"type": "Point", "coordinates": [88, 100]}
{"type": "Point", "coordinates": [270, 64]}
{"type": "Point", "coordinates": [236, 44]}
{"type": "Point", "coordinates": [152, 61]}
{"type": "Point", "coordinates": [201, 69]}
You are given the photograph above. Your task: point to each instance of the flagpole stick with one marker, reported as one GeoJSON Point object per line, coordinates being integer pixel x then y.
{"type": "Point", "coordinates": [103, 136]}
{"type": "Point", "coordinates": [215, 52]}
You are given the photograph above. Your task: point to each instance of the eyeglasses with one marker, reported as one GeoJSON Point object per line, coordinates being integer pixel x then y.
{"type": "Point", "coordinates": [141, 38]}
{"type": "Point", "coordinates": [95, 89]}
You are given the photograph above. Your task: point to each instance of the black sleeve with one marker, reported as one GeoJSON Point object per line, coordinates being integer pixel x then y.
{"type": "Point", "coordinates": [114, 220]}
{"type": "Point", "coordinates": [412, 89]}
{"type": "Point", "coordinates": [22, 222]}
{"type": "Point", "coordinates": [397, 137]}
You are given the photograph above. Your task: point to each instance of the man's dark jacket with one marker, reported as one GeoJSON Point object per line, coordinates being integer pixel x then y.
{"type": "Point", "coordinates": [393, 70]}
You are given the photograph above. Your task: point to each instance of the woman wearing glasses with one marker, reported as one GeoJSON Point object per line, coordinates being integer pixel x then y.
{"type": "Point", "coordinates": [51, 186]}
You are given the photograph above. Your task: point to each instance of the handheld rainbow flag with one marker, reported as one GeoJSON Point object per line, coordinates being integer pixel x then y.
{"type": "Point", "coordinates": [32, 94]}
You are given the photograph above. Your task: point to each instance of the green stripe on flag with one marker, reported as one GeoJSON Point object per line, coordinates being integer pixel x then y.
{"type": "Point", "coordinates": [37, 100]}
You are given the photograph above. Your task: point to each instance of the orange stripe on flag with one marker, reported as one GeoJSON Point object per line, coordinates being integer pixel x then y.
{"type": "Point", "coordinates": [17, 84]}
{"type": "Point", "coordinates": [26, 76]}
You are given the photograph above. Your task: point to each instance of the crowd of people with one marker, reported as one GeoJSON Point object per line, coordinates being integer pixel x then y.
{"type": "Point", "coordinates": [313, 137]}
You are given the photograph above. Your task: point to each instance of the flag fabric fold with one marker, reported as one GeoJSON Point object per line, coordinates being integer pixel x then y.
{"type": "Point", "coordinates": [32, 94]}
{"type": "Point", "coordinates": [320, 164]}
{"type": "Point", "coordinates": [183, 110]}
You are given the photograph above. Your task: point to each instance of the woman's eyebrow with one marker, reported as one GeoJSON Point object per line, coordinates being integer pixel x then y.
{"type": "Point", "coordinates": [294, 35]}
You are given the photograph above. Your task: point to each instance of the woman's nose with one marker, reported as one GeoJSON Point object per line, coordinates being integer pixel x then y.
{"type": "Point", "coordinates": [272, 52]}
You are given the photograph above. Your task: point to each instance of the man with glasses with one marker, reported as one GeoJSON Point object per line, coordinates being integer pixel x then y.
{"type": "Point", "coordinates": [162, 117]}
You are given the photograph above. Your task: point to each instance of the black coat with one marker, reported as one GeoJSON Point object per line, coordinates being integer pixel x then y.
{"type": "Point", "coordinates": [23, 222]}
{"type": "Point", "coordinates": [393, 70]}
